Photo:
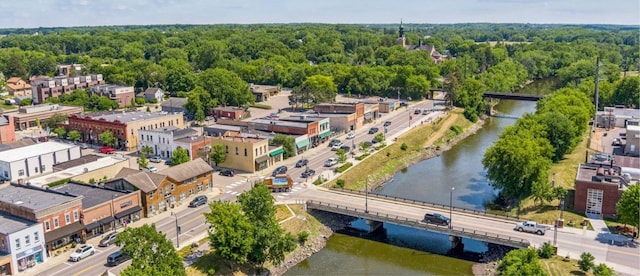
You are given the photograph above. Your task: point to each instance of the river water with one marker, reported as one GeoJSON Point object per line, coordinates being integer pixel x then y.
{"type": "Point", "coordinates": [403, 250]}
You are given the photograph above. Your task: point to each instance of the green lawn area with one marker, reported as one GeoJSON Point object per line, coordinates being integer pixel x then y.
{"type": "Point", "coordinates": [7, 107]}
{"type": "Point", "coordinates": [556, 266]}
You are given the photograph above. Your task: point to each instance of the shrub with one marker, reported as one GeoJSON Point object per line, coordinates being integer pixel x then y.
{"type": "Point", "coordinates": [603, 270]}
{"type": "Point", "coordinates": [586, 261]}
{"type": "Point", "coordinates": [59, 182]}
{"type": "Point", "coordinates": [340, 183]}
{"type": "Point", "coordinates": [362, 157]}
{"type": "Point", "coordinates": [546, 251]}
{"type": "Point", "coordinates": [456, 129]}
{"type": "Point", "coordinates": [92, 181]}
{"type": "Point", "coordinates": [262, 106]}
{"type": "Point", "coordinates": [318, 181]}
{"type": "Point", "coordinates": [344, 167]}
{"type": "Point", "coordinates": [404, 146]}
{"type": "Point", "coordinates": [303, 237]}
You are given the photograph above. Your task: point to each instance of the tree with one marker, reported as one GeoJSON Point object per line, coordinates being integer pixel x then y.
{"type": "Point", "coordinates": [15, 67]}
{"type": "Point", "coordinates": [225, 86]}
{"type": "Point", "coordinates": [315, 89]}
{"type": "Point", "coordinates": [586, 261]}
{"type": "Point", "coordinates": [628, 208]}
{"type": "Point", "coordinates": [233, 236]}
{"type": "Point", "coordinates": [521, 262]}
{"type": "Point", "coordinates": [151, 253]}
{"type": "Point", "coordinates": [379, 137]}
{"type": "Point", "coordinates": [218, 153]}
{"type": "Point", "coordinates": [60, 131]}
{"type": "Point", "coordinates": [179, 156]}
{"type": "Point", "coordinates": [627, 92]}
{"type": "Point", "coordinates": [287, 143]}
{"type": "Point", "coordinates": [603, 270]}
{"type": "Point", "coordinates": [54, 120]}
{"type": "Point", "coordinates": [342, 155]}
{"type": "Point", "coordinates": [148, 150]}
{"type": "Point", "coordinates": [107, 138]}
{"type": "Point", "coordinates": [25, 102]}
{"type": "Point", "coordinates": [142, 161]}
{"type": "Point", "coordinates": [546, 251]}
{"type": "Point", "coordinates": [74, 135]}
{"type": "Point", "coordinates": [364, 146]}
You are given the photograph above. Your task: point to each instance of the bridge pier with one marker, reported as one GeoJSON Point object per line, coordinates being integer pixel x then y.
{"type": "Point", "coordinates": [457, 247]}
{"type": "Point", "coordinates": [374, 225]}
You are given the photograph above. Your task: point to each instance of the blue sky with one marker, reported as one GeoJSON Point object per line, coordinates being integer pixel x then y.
{"type": "Point", "coordinates": [65, 13]}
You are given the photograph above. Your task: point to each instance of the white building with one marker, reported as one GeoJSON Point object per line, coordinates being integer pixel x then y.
{"type": "Point", "coordinates": [23, 240]}
{"type": "Point", "coordinates": [34, 160]}
{"type": "Point", "coordinates": [163, 140]}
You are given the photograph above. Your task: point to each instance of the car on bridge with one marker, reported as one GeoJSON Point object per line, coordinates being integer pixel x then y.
{"type": "Point", "coordinates": [436, 219]}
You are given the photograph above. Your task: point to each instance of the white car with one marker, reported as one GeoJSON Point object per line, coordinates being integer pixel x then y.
{"type": "Point", "coordinates": [152, 169]}
{"type": "Point", "coordinates": [330, 162]}
{"type": "Point", "coordinates": [155, 159]}
{"type": "Point", "coordinates": [82, 252]}
{"type": "Point", "coordinates": [336, 146]}
{"type": "Point", "coordinates": [351, 135]}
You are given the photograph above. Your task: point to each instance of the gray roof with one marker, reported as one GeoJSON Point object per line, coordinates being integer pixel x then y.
{"type": "Point", "coordinates": [38, 149]}
{"type": "Point", "coordinates": [175, 102]}
{"type": "Point", "coordinates": [151, 91]}
{"type": "Point", "coordinates": [18, 144]}
{"type": "Point", "coordinates": [33, 198]}
{"type": "Point", "coordinates": [126, 117]}
{"type": "Point", "coordinates": [216, 130]}
{"type": "Point", "coordinates": [93, 195]}
{"type": "Point", "coordinates": [178, 133]}
{"type": "Point", "coordinates": [143, 180]}
{"type": "Point", "coordinates": [10, 224]}
{"type": "Point", "coordinates": [279, 123]}
{"type": "Point", "coordinates": [187, 170]}
{"type": "Point", "coordinates": [77, 162]}
{"type": "Point", "coordinates": [3, 120]}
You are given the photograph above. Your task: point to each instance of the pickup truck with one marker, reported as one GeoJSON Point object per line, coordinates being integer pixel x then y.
{"type": "Point", "coordinates": [531, 227]}
{"type": "Point", "coordinates": [436, 218]}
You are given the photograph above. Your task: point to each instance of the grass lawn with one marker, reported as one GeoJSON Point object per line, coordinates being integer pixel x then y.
{"type": "Point", "coordinates": [557, 267]}
{"type": "Point", "coordinates": [7, 106]}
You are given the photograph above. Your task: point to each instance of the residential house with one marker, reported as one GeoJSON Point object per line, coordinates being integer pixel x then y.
{"type": "Point", "coordinates": [18, 87]}
{"type": "Point", "coordinates": [123, 95]}
{"type": "Point", "coordinates": [24, 241]}
{"type": "Point", "coordinates": [153, 95]}
{"type": "Point", "coordinates": [26, 162]}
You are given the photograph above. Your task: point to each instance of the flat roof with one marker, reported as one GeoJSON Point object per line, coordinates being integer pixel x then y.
{"type": "Point", "coordinates": [33, 198]}
{"type": "Point", "coordinates": [588, 172]}
{"type": "Point", "coordinates": [279, 123]}
{"type": "Point", "coordinates": [92, 195]}
{"type": "Point", "coordinates": [103, 162]}
{"type": "Point", "coordinates": [11, 224]}
{"type": "Point", "coordinates": [77, 162]}
{"type": "Point", "coordinates": [127, 117]}
{"type": "Point", "coordinates": [62, 108]}
{"type": "Point", "coordinates": [16, 154]}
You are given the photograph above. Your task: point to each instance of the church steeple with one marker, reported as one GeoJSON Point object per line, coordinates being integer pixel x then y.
{"type": "Point", "coordinates": [401, 30]}
{"type": "Point", "coordinates": [401, 39]}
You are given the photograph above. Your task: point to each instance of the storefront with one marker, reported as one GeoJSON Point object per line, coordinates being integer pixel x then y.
{"type": "Point", "coordinates": [128, 216]}
{"type": "Point", "coordinates": [99, 227]}
{"type": "Point", "coordinates": [302, 145]}
{"type": "Point", "coordinates": [276, 155]}
{"type": "Point", "coordinates": [29, 258]}
{"type": "Point", "coordinates": [63, 236]}
{"type": "Point", "coordinates": [5, 263]}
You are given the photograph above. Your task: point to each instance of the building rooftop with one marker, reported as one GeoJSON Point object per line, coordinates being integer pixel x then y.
{"type": "Point", "coordinates": [601, 173]}
{"type": "Point", "coordinates": [303, 118]}
{"type": "Point", "coordinates": [255, 88]}
{"type": "Point", "coordinates": [178, 133]}
{"type": "Point", "coordinates": [102, 162]}
{"type": "Point", "coordinates": [92, 195]}
{"type": "Point", "coordinates": [228, 108]}
{"type": "Point", "coordinates": [127, 117]}
{"type": "Point", "coordinates": [279, 123]}
{"type": "Point", "coordinates": [34, 198]}
{"type": "Point", "coordinates": [189, 139]}
{"type": "Point", "coordinates": [219, 130]}
{"type": "Point", "coordinates": [16, 154]}
{"type": "Point", "coordinates": [186, 170]}
{"type": "Point", "coordinates": [45, 109]}
{"type": "Point", "coordinates": [240, 137]}
{"type": "Point", "coordinates": [175, 102]}
{"type": "Point", "coordinates": [143, 180]}
{"type": "Point", "coordinates": [621, 112]}
{"type": "Point", "coordinates": [18, 144]}
{"type": "Point", "coordinates": [76, 162]}
{"type": "Point", "coordinates": [10, 224]}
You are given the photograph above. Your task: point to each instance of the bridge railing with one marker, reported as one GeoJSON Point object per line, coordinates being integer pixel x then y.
{"type": "Point", "coordinates": [429, 204]}
{"type": "Point", "coordinates": [419, 224]}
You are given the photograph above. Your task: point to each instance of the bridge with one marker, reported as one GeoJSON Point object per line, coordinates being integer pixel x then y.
{"type": "Point", "coordinates": [511, 96]}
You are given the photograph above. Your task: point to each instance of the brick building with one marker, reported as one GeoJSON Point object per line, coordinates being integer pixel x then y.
{"type": "Point", "coordinates": [598, 188]}
{"type": "Point", "coordinates": [7, 129]}
{"type": "Point", "coordinates": [43, 87]}
{"type": "Point", "coordinates": [123, 125]}
{"type": "Point", "coordinates": [26, 116]}
{"type": "Point", "coordinates": [344, 116]}
{"type": "Point", "coordinates": [123, 95]}
{"type": "Point", "coordinates": [229, 112]}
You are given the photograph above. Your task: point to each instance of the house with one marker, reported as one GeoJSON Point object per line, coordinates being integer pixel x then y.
{"type": "Point", "coordinates": [18, 87]}
{"type": "Point", "coordinates": [104, 209]}
{"type": "Point", "coordinates": [163, 190]}
{"type": "Point", "coordinates": [123, 125]}
{"type": "Point", "coordinates": [123, 95]}
{"type": "Point", "coordinates": [44, 87]}
{"type": "Point", "coordinates": [153, 95]}
{"type": "Point", "coordinates": [26, 162]}
{"type": "Point", "coordinates": [7, 129]}
{"type": "Point", "coordinates": [249, 154]}
{"type": "Point", "coordinates": [30, 116]}
{"type": "Point", "coordinates": [58, 213]}
{"type": "Point", "coordinates": [228, 112]}
{"type": "Point", "coordinates": [263, 93]}
{"type": "Point", "coordinates": [23, 240]}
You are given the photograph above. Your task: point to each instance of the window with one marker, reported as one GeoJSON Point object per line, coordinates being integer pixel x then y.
{"type": "Point", "coordinates": [245, 151]}
{"type": "Point", "coordinates": [256, 152]}
{"type": "Point", "coordinates": [18, 243]}
{"type": "Point", "coordinates": [152, 208]}
{"type": "Point", "coordinates": [36, 238]}
{"type": "Point", "coordinates": [75, 215]}
{"type": "Point", "coordinates": [36, 169]}
{"type": "Point", "coordinates": [43, 168]}
{"type": "Point", "coordinates": [190, 192]}
{"type": "Point", "coordinates": [226, 149]}
{"type": "Point", "coordinates": [20, 172]}
{"type": "Point", "coordinates": [160, 191]}
{"type": "Point", "coordinates": [56, 223]}
{"type": "Point", "coordinates": [199, 188]}
{"type": "Point", "coordinates": [67, 218]}
{"type": "Point", "coordinates": [2, 245]}
{"type": "Point", "coordinates": [172, 186]}
{"type": "Point", "coordinates": [182, 196]}
{"type": "Point", "coordinates": [151, 194]}
{"type": "Point", "coordinates": [47, 225]}
{"type": "Point", "coordinates": [236, 150]}
{"type": "Point", "coordinates": [27, 240]}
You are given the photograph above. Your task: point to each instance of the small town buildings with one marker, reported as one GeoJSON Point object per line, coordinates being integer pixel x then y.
{"type": "Point", "coordinates": [319, 128]}
{"type": "Point", "coordinates": [69, 70]}
{"type": "Point", "coordinates": [632, 145]}
{"type": "Point", "coordinates": [164, 141]}
{"type": "Point", "coordinates": [165, 189]}
{"type": "Point", "coordinates": [263, 93]}
{"type": "Point", "coordinates": [43, 87]}
{"type": "Point", "coordinates": [436, 57]}
{"type": "Point", "coordinates": [24, 241]}
{"type": "Point", "coordinates": [123, 95]}
{"type": "Point", "coordinates": [123, 125]}
{"type": "Point", "coordinates": [7, 128]}
{"type": "Point", "coordinates": [18, 87]}
{"type": "Point", "coordinates": [26, 162]}
{"type": "Point", "coordinates": [153, 95]}
{"type": "Point", "coordinates": [228, 112]}
{"type": "Point", "coordinates": [598, 187]}
{"type": "Point", "coordinates": [344, 116]}
{"type": "Point", "coordinates": [612, 117]}
{"type": "Point", "coordinates": [89, 168]}
{"type": "Point", "coordinates": [244, 153]}
{"type": "Point", "coordinates": [176, 105]}
{"type": "Point", "coordinates": [59, 214]}
{"type": "Point", "coordinates": [28, 116]}
{"type": "Point", "coordinates": [219, 130]}
{"type": "Point", "coordinates": [196, 146]}
{"type": "Point", "coordinates": [104, 209]}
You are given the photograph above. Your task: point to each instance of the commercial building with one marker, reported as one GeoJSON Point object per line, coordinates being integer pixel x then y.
{"type": "Point", "coordinates": [263, 93]}
{"type": "Point", "coordinates": [344, 116]}
{"type": "Point", "coordinates": [613, 117]}
{"type": "Point", "coordinates": [123, 125]}
{"type": "Point", "coordinates": [26, 162]}
{"type": "Point", "coordinates": [228, 112]}
{"type": "Point", "coordinates": [123, 95]}
{"type": "Point", "coordinates": [28, 116]}
{"type": "Point", "coordinates": [44, 87]}
{"type": "Point", "coordinates": [632, 145]}
{"type": "Point", "coordinates": [598, 188]}
{"type": "Point", "coordinates": [58, 213]}
{"type": "Point", "coordinates": [89, 168]}
{"type": "Point", "coordinates": [23, 240]}
{"type": "Point", "coordinates": [104, 209]}
{"type": "Point", "coordinates": [176, 105]}
{"type": "Point", "coordinates": [244, 153]}
{"type": "Point", "coordinates": [7, 129]}
{"type": "Point", "coordinates": [163, 140]}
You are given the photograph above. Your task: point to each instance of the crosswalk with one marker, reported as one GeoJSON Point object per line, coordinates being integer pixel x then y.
{"type": "Point", "coordinates": [296, 187]}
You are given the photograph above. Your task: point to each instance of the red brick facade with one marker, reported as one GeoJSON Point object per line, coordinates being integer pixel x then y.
{"type": "Point", "coordinates": [7, 131]}
{"type": "Point", "coordinates": [610, 196]}
{"type": "Point", "coordinates": [227, 112]}
{"type": "Point", "coordinates": [91, 129]}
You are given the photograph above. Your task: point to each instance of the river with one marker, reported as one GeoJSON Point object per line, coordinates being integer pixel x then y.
{"type": "Point", "coordinates": [429, 180]}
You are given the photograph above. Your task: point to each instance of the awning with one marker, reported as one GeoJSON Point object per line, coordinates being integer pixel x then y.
{"type": "Point", "coordinates": [106, 220]}
{"type": "Point", "coordinates": [92, 226]}
{"type": "Point", "coordinates": [303, 143]}
{"type": "Point", "coordinates": [276, 152]}
{"type": "Point", "coordinates": [128, 211]}
{"type": "Point", "coordinates": [262, 159]}
{"type": "Point", "coordinates": [325, 134]}
{"type": "Point", "coordinates": [68, 230]}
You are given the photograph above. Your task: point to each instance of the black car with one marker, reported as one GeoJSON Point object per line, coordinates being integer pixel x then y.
{"type": "Point", "coordinates": [387, 123]}
{"type": "Point", "coordinates": [308, 173]}
{"type": "Point", "coordinates": [369, 144]}
{"type": "Point", "coordinates": [346, 148]}
{"type": "Point", "coordinates": [301, 162]}
{"type": "Point", "coordinates": [417, 111]}
{"type": "Point", "coordinates": [279, 170]}
{"type": "Point", "coordinates": [373, 130]}
{"type": "Point", "coordinates": [228, 173]}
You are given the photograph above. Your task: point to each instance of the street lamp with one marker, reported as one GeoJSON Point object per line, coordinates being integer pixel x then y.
{"type": "Point", "coordinates": [366, 195]}
{"type": "Point", "coordinates": [451, 206]}
{"type": "Point", "coordinates": [115, 225]}
{"type": "Point", "coordinates": [177, 230]}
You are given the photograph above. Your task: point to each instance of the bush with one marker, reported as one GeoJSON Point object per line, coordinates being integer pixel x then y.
{"type": "Point", "coordinates": [262, 106]}
{"type": "Point", "coordinates": [456, 129]}
{"type": "Point", "coordinates": [404, 146]}
{"type": "Point", "coordinates": [318, 181]}
{"type": "Point", "coordinates": [59, 182]}
{"type": "Point", "coordinates": [344, 167]}
{"type": "Point", "coordinates": [546, 251]}
{"type": "Point", "coordinates": [362, 157]}
{"type": "Point", "coordinates": [340, 183]}
{"type": "Point", "coordinates": [586, 261]}
{"type": "Point", "coordinates": [603, 270]}
{"type": "Point", "coordinates": [303, 237]}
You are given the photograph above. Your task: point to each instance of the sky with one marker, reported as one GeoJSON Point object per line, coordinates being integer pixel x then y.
{"type": "Point", "coordinates": [67, 13]}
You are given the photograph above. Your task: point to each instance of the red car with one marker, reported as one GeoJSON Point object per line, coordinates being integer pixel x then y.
{"type": "Point", "coordinates": [107, 150]}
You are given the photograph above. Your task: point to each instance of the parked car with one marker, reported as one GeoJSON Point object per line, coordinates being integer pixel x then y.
{"type": "Point", "coordinates": [168, 162]}
{"type": "Point", "coordinates": [387, 123]}
{"type": "Point", "coordinates": [82, 252]}
{"type": "Point", "coordinates": [107, 150]}
{"type": "Point", "coordinates": [373, 130]}
{"type": "Point", "coordinates": [531, 227]}
{"type": "Point", "coordinates": [155, 159]}
{"type": "Point", "coordinates": [404, 104]}
{"type": "Point", "coordinates": [108, 240]}
{"type": "Point", "coordinates": [351, 135]}
{"type": "Point", "coordinates": [417, 111]}
{"type": "Point", "coordinates": [198, 200]}
{"type": "Point", "coordinates": [152, 169]}
{"type": "Point", "coordinates": [336, 146]}
{"type": "Point", "coordinates": [333, 142]}
{"type": "Point", "coordinates": [117, 258]}
{"type": "Point", "coordinates": [227, 172]}
{"type": "Point", "coordinates": [425, 112]}
{"type": "Point", "coordinates": [279, 170]}
{"type": "Point", "coordinates": [302, 162]}
{"type": "Point", "coordinates": [43, 139]}
{"type": "Point", "coordinates": [345, 148]}
{"type": "Point", "coordinates": [436, 218]}
{"type": "Point", "coordinates": [616, 142]}
{"type": "Point", "coordinates": [308, 173]}
{"type": "Point", "coordinates": [330, 162]}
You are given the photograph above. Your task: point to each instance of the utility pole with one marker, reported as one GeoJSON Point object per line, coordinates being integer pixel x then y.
{"type": "Point", "coordinates": [597, 81]}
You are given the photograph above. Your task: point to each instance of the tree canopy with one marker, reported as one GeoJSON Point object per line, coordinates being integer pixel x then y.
{"type": "Point", "coordinates": [179, 156]}
{"type": "Point", "coordinates": [521, 262]}
{"type": "Point", "coordinates": [151, 253]}
{"type": "Point", "coordinates": [628, 208]}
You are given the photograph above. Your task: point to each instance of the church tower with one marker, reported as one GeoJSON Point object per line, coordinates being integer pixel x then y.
{"type": "Point", "coordinates": [401, 39]}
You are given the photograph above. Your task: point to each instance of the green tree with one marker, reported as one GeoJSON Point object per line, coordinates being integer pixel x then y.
{"type": "Point", "coordinates": [628, 208]}
{"type": "Point", "coordinates": [218, 153]}
{"type": "Point", "coordinates": [150, 251]}
{"type": "Point", "coordinates": [287, 143]}
{"type": "Point", "coordinates": [15, 67]}
{"type": "Point", "coordinates": [559, 131]}
{"type": "Point", "coordinates": [315, 89]}
{"type": "Point", "coordinates": [74, 135]}
{"type": "Point", "coordinates": [179, 156]}
{"type": "Point", "coordinates": [233, 236]}
{"type": "Point", "coordinates": [627, 92]}
{"type": "Point", "coordinates": [416, 86]}
{"type": "Point", "coordinates": [147, 150]}
{"type": "Point", "coordinates": [342, 155]}
{"type": "Point", "coordinates": [586, 261]}
{"type": "Point", "coordinates": [26, 102]}
{"type": "Point", "coordinates": [379, 137]}
{"type": "Point", "coordinates": [546, 251]}
{"type": "Point", "coordinates": [54, 120]}
{"type": "Point", "coordinates": [107, 138]}
{"type": "Point", "coordinates": [521, 262]}
{"type": "Point", "coordinates": [60, 131]}
{"type": "Point", "coordinates": [225, 86]}
{"type": "Point", "coordinates": [364, 146]}
{"type": "Point", "coordinates": [142, 161]}
{"type": "Point", "coordinates": [603, 270]}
